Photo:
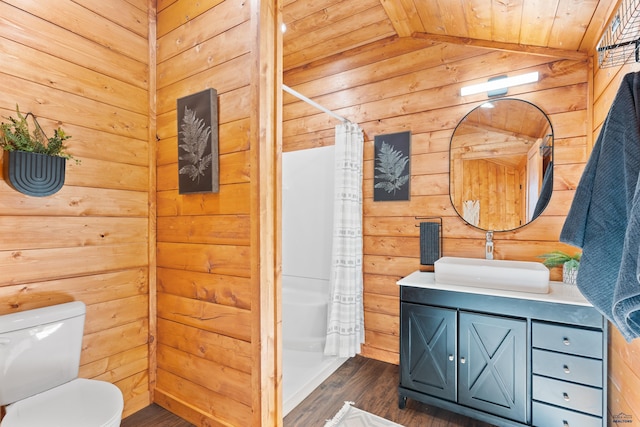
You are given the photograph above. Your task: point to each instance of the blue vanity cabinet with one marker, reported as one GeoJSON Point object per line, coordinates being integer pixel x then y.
{"type": "Point", "coordinates": [464, 358]}
{"type": "Point", "coordinates": [508, 359]}
{"type": "Point", "coordinates": [428, 337]}
{"type": "Point", "coordinates": [492, 364]}
{"type": "Point", "coordinates": [566, 389]}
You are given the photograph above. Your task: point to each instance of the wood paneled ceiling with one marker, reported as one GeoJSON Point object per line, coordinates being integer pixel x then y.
{"type": "Point", "coordinates": [318, 29]}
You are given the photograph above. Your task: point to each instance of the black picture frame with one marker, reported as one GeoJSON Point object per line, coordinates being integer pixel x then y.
{"type": "Point", "coordinates": [392, 167]}
{"type": "Point", "coordinates": [198, 168]}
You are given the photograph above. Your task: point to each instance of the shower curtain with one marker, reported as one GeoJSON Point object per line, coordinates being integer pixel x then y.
{"type": "Point", "coordinates": [345, 325]}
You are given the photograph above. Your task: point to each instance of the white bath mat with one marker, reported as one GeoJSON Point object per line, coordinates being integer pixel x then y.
{"type": "Point", "coordinates": [349, 416]}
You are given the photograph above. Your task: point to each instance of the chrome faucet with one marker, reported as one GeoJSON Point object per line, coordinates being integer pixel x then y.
{"type": "Point", "coordinates": [488, 252]}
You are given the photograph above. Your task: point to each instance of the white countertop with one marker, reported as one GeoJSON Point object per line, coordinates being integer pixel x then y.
{"type": "Point", "coordinates": [559, 292]}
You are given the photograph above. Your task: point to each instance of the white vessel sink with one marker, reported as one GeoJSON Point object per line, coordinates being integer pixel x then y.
{"type": "Point", "coordinates": [522, 276]}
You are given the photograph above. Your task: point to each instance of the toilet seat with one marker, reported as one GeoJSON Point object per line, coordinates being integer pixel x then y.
{"type": "Point", "coordinates": [78, 403]}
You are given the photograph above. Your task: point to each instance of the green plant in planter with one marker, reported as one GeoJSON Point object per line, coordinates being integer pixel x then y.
{"type": "Point", "coordinates": [569, 263]}
{"type": "Point", "coordinates": [16, 135]}
{"type": "Point", "coordinates": [33, 163]}
{"type": "Point", "coordinates": [559, 258]}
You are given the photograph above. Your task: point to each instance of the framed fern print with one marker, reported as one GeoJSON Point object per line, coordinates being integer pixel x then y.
{"type": "Point", "coordinates": [198, 143]}
{"type": "Point", "coordinates": [392, 171]}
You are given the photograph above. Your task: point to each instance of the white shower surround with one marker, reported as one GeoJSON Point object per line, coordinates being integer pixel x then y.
{"type": "Point", "coordinates": [307, 222]}
{"type": "Point", "coordinates": [304, 326]}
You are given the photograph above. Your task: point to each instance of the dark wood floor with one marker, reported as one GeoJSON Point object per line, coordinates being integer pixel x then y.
{"type": "Point", "coordinates": [370, 384]}
{"type": "Point", "coordinates": [154, 416]}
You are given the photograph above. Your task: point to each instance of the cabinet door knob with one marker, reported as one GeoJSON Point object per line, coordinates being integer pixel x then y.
{"type": "Point", "coordinates": [463, 360]}
{"type": "Point", "coordinates": [565, 396]}
{"type": "Point", "coordinates": [566, 341]}
{"type": "Point", "coordinates": [566, 369]}
{"type": "Point", "coordinates": [451, 357]}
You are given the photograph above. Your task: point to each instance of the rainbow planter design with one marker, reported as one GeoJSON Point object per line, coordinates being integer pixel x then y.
{"type": "Point", "coordinates": [34, 174]}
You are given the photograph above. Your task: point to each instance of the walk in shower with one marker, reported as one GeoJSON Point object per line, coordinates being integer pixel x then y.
{"type": "Point", "coordinates": [307, 221]}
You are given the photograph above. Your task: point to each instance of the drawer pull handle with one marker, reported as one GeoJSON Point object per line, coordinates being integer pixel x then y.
{"type": "Point", "coordinates": [566, 369]}
{"type": "Point", "coordinates": [565, 423]}
{"type": "Point", "coordinates": [566, 341]}
{"type": "Point", "coordinates": [451, 357]}
{"type": "Point", "coordinates": [463, 360]}
{"type": "Point", "coordinates": [565, 396]}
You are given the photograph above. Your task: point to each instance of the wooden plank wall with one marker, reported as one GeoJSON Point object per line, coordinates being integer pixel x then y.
{"type": "Point", "coordinates": [506, 180]}
{"type": "Point", "coordinates": [624, 358]}
{"type": "Point", "coordinates": [84, 65]}
{"type": "Point", "coordinates": [215, 252]}
{"type": "Point", "coordinates": [401, 84]}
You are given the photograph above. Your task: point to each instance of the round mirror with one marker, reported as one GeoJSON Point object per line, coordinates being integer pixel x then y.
{"type": "Point", "coordinates": [501, 165]}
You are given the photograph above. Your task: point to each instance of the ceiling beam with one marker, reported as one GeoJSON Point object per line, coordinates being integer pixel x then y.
{"type": "Point", "coordinates": [511, 47]}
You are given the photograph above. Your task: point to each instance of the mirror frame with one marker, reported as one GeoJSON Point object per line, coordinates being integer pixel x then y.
{"type": "Point", "coordinates": [544, 183]}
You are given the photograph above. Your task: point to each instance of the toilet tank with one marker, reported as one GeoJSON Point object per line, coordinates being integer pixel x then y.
{"type": "Point", "coordinates": [39, 349]}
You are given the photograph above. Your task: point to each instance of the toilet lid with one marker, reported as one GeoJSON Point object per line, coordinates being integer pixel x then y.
{"type": "Point", "coordinates": [78, 403]}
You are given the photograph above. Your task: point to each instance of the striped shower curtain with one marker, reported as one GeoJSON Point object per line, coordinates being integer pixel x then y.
{"type": "Point", "coordinates": [345, 326]}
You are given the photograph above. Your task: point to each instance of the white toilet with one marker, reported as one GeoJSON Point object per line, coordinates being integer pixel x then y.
{"type": "Point", "coordinates": [39, 362]}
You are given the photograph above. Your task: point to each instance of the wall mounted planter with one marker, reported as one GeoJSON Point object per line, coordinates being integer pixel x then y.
{"type": "Point", "coordinates": [34, 174]}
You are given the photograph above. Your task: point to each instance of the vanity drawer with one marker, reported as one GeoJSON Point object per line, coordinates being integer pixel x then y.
{"type": "Point", "coordinates": [565, 339]}
{"type": "Point", "coordinates": [571, 396]}
{"type": "Point", "coordinates": [551, 416]}
{"type": "Point", "coordinates": [567, 367]}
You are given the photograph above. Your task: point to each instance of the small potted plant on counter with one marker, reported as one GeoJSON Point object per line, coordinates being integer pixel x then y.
{"type": "Point", "coordinates": [569, 263]}
{"type": "Point", "coordinates": [33, 164]}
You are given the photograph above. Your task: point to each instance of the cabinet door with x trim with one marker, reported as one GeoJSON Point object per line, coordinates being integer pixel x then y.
{"type": "Point", "coordinates": [428, 350]}
{"type": "Point", "coordinates": [492, 364]}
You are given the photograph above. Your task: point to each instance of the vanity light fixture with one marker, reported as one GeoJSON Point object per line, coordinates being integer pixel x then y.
{"type": "Point", "coordinates": [501, 83]}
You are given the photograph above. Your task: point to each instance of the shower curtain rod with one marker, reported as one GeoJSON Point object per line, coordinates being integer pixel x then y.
{"type": "Point", "coordinates": [313, 103]}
